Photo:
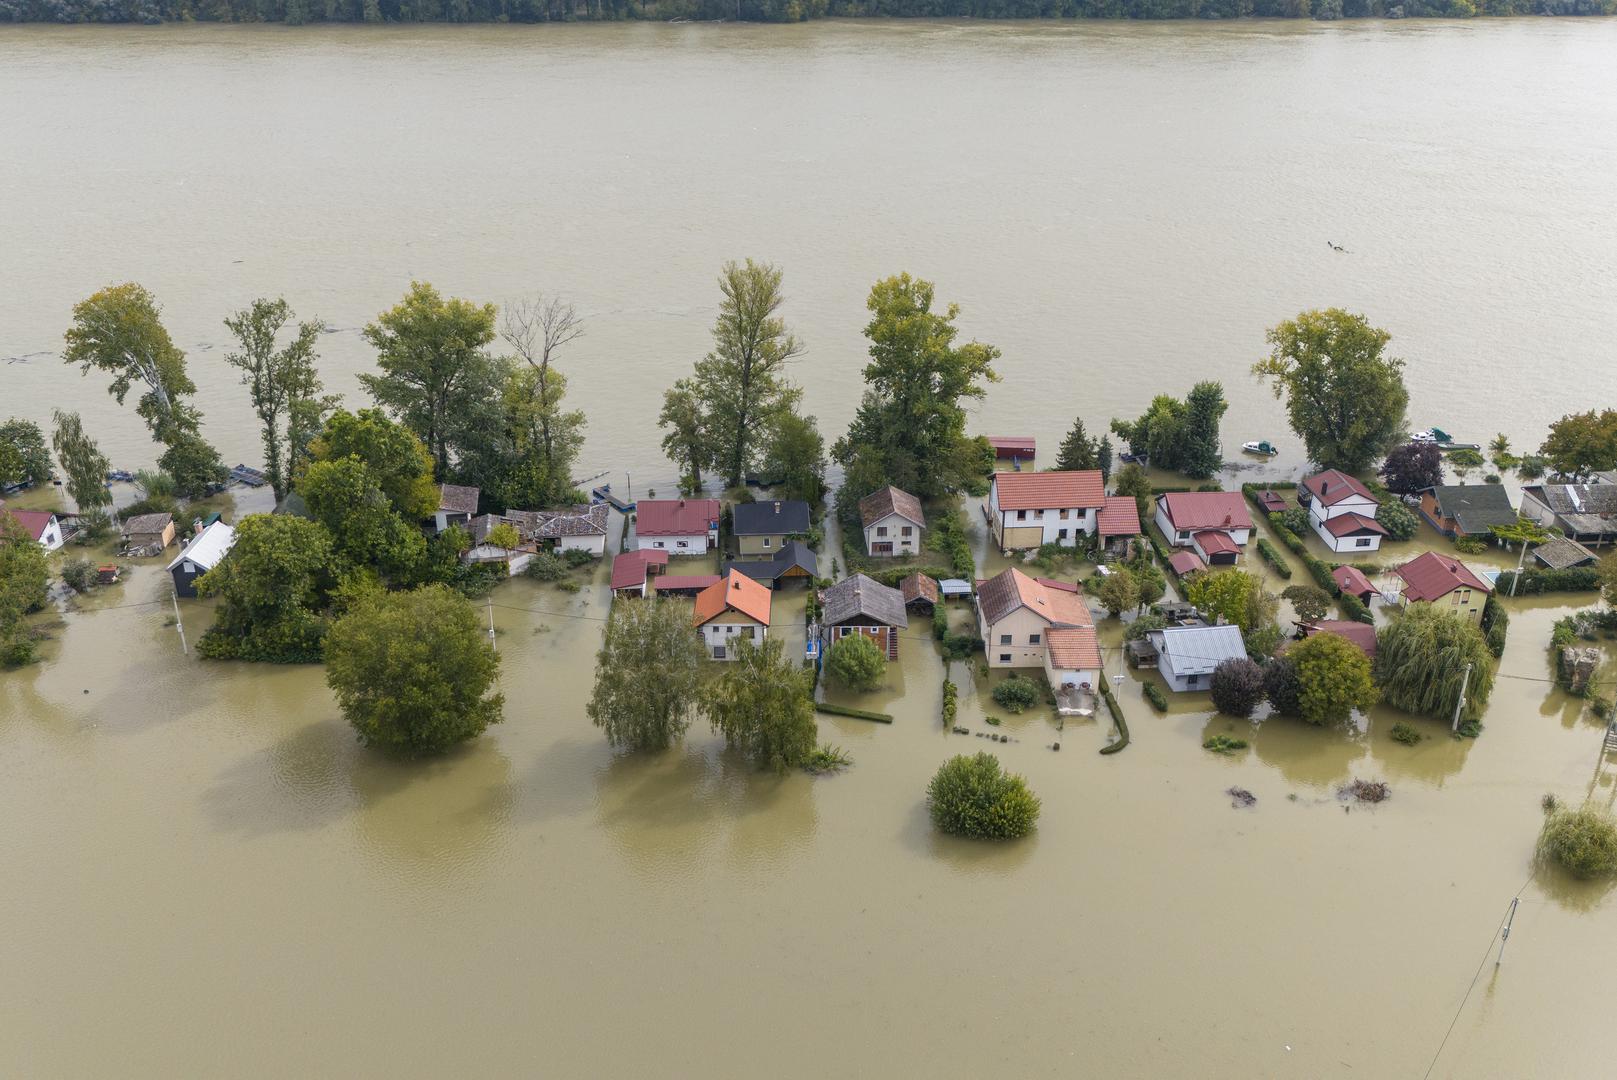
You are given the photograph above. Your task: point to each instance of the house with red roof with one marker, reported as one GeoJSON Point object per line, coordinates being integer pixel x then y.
{"type": "Point", "coordinates": [1435, 578]}
{"type": "Point", "coordinates": [1118, 523]}
{"type": "Point", "coordinates": [1017, 618]}
{"type": "Point", "coordinates": [633, 571]}
{"type": "Point", "coordinates": [1027, 510]}
{"type": "Point", "coordinates": [1342, 512]}
{"type": "Point", "coordinates": [1214, 524]}
{"type": "Point", "coordinates": [677, 526]}
{"type": "Point", "coordinates": [1352, 580]}
{"type": "Point", "coordinates": [1361, 634]}
{"type": "Point", "coordinates": [41, 525]}
{"type": "Point", "coordinates": [731, 610]}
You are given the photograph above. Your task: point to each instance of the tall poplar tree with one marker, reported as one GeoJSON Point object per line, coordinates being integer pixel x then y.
{"type": "Point", "coordinates": [284, 383]}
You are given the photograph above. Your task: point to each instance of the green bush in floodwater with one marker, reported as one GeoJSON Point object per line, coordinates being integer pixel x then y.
{"type": "Point", "coordinates": [1016, 693]}
{"type": "Point", "coordinates": [971, 796]}
{"type": "Point", "coordinates": [1405, 733]}
{"type": "Point", "coordinates": [1583, 842]}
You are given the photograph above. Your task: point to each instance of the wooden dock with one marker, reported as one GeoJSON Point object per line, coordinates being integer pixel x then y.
{"type": "Point", "coordinates": [604, 494]}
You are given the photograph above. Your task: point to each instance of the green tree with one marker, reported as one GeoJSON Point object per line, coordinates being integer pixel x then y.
{"type": "Point", "coordinates": [1103, 458]}
{"type": "Point", "coordinates": [1159, 433]}
{"type": "Point", "coordinates": [1201, 450]}
{"type": "Point", "coordinates": [366, 531]}
{"type": "Point", "coordinates": [1412, 467]}
{"type": "Point", "coordinates": [1237, 687]}
{"type": "Point", "coordinates": [973, 797]}
{"type": "Point", "coordinates": [1153, 584]}
{"type": "Point", "coordinates": [742, 383]}
{"type": "Point", "coordinates": [794, 458]}
{"type": "Point", "coordinates": [763, 706]}
{"type": "Point", "coordinates": [271, 586]}
{"type": "Point", "coordinates": [686, 441]}
{"type": "Point", "coordinates": [1078, 450]}
{"type": "Point", "coordinates": [83, 462]}
{"type": "Point", "coordinates": [23, 453]}
{"type": "Point", "coordinates": [414, 671]}
{"type": "Point", "coordinates": [1345, 399]}
{"type": "Point", "coordinates": [1398, 519]}
{"type": "Point", "coordinates": [1531, 466]}
{"type": "Point", "coordinates": [24, 582]}
{"type": "Point", "coordinates": [1282, 687]}
{"type": "Point", "coordinates": [504, 535]}
{"type": "Point", "coordinates": [648, 675]}
{"type": "Point", "coordinates": [434, 368]}
{"type": "Point", "coordinates": [283, 383]}
{"type": "Point", "coordinates": [1523, 531]}
{"type": "Point", "coordinates": [1119, 591]}
{"type": "Point", "coordinates": [1132, 480]}
{"type": "Point", "coordinates": [1464, 461]}
{"type": "Point", "coordinates": [1421, 657]}
{"type": "Point", "coordinates": [537, 329]}
{"type": "Point", "coordinates": [911, 422]}
{"type": "Point", "coordinates": [397, 460]}
{"type": "Point", "coordinates": [1499, 453]}
{"type": "Point", "coordinates": [1333, 676]}
{"type": "Point", "coordinates": [1581, 841]}
{"type": "Point", "coordinates": [1581, 444]}
{"type": "Point", "coordinates": [1016, 693]}
{"type": "Point", "coordinates": [193, 463]}
{"type": "Point", "coordinates": [1227, 593]}
{"type": "Point", "coordinates": [856, 662]}
{"type": "Point", "coordinates": [1309, 602]}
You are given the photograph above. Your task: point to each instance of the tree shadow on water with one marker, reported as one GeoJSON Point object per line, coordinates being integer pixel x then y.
{"type": "Point", "coordinates": [961, 854]}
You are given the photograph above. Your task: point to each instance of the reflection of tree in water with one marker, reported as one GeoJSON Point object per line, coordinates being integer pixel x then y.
{"type": "Point", "coordinates": [960, 854]}
{"type": "Point", "coordinates": [1306, 754]}
{"type": "Point", "coordinates": [1438, 756]}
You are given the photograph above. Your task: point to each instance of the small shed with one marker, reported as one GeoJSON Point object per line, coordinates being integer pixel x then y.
{"type": "Point", "coordinates": [1351, 580]}
{"type": "Point", "coordinates": [1013, 447]}
{"type": "Point", "coordinates": [1563, 554]}
{"type": "Point", "coordinates": [1271, 502]}
{"type": "Point", "coordinates": [148, 534]}
{"type": "Point", "coordinates": [200, 555]}
{"type": "Point", "coordinates": [920, 593]}
{"type": "Point", "coordinates": [1184, 562]}
{"type": "Point", "coordinates": [953, 588]}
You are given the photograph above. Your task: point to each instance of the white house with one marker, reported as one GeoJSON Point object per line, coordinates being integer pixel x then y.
{"type": "Point", "coordinates": [1030, 509]}
{"type": "Point", "coordinates": [733, 609]}
{"type": "Point", "coordinates": [1343, 512]}
{"type": "Point", "coordinates": [1015, 614]}
{"type": "Point", "coordinates": [457, 505]}
{"type": "Point", "coordinates": [580, 528]}
{"type": "Point", "coordinates": [199, 556]}
{"type": "Point", "coordinates": [1072, 658]}
{"type": "Point", "coordinates": [677, 526]}
{"type": "Point", "coordinates": [1213, 524]}
{"type": "Point", "coordinates": [42, 525]}
{"type": "Point", "coordinates": [893, 522]}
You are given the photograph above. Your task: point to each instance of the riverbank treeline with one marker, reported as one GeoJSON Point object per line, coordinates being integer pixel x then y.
{"type": "Point", "coordinates": [299, 12]}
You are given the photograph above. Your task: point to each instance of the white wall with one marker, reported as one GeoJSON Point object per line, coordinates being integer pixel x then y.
{"type": "Point", "coordinates": [895, 525]}
{"type": "Point", "coordinates": [595, 545]}
{"type": "Point", "coordinates": [674, 545]}
{"type": "Point", "coordinates": [717, 634]}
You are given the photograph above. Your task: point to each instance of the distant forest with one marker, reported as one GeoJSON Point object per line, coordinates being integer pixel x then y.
{"type": "Point", "coordinates": [297, 12]}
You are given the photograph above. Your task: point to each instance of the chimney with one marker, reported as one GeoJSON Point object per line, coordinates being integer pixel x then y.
{"type": "Point", "coordinates": [777, 506]}
{"type": "Point", "coordinates": [682, 504]}
{"type": "Point", "coordinates": [1324, 486]}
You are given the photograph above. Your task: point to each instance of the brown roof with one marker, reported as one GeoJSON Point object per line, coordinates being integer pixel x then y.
{"type": "Point", "coordinates": [1350, 579]}
{"type": "Point", "coordinates": [1561, 553]}
{"type": "Point", "coordinates": [1120, 516]}
{"type": "Point", "coordinates": [1073, 648]}
{"type": "Point", "coordinates": [1206, 510]}
{"type": "Point", "coordinates": [1011, 589]}
{"type": "Point", "coordinates": [1361, 634]}
{"type": "Point", "coordinates": [675, 517]}
{"type": "Point", "coordinates": [1333, 485]}
{"type": "Point", "coordinates": [1432, 575]}
{"type": "Point", "coordinates": [1348, 524]}
{"type": "Point", "coordinates": [142, 524]}
{"type": "Point", "coordinates": [1185, 561]}
{"type": "Point", "coordinates": [1050, 490]}
{"type": "Point", "coordinates": [889, 500]}
{"type": "Point", "coordinates": [679, 582]}
{"type": "Point", "coordinates": [550, 524]}
{"type": "Point", "coordinates": [456, 499]}
{"type": "Point", "coordinates": [733, 592]}
{"type": "Point", "coordinates": [1215, 542]}
{"type": "Point", "coordinates": [918, 587]}
{"type": "Point", "coordinates": [629, 570]}
{"type": "Point", "coordinates": [863, 601]}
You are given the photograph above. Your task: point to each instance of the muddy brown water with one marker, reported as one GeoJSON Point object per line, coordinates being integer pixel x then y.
{"type": "Point", "coordinates": [205, 874]}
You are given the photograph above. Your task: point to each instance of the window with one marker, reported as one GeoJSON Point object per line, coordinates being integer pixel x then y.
{"type": "Point", "coordinates": [1004, 639]}
{"type": "Point", "coordinates": [881, 530]}
{"type": "Point", "coordinates": [1004, 657]}
{"type": "Point", "coordinates": [766, 541]}
{"type": "Point", "coordinates": [1061, 534]}
{"type": "Point", "coordinates": [1064, 516]}
{"type": "Point", "coordinates": [718, 652]}
{"type": "Point", "coordinates": [656, 543]}
{"type": "Point", "coordinates": [1184, 534]}
{"type": "Point", "coordinates": [906, 530]}
{"type": "Point", "coordinates": [1021, 515]}
{"type": "Point", "coordinates": [1364, 541]}
{"type": "Point", "coordinates": [1192, 680]}
{"type": "Point", "coordinates": [752, 633]}
{"type": "Point", "coordinates": [1033, 639]}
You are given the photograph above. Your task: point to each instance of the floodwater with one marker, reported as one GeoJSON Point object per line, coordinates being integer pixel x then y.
{"type": "Point", "coordinates": [204, 873]}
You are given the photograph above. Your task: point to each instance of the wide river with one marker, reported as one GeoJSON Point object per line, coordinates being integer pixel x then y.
{"type": "Point", "coordinates": [205, 876]}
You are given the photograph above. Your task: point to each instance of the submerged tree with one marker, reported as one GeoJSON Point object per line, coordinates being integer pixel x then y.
{"type": "Point", "coordinates": [973, 797]}
{"type": "Point", "coordinates": [23, 453]}
{"type": "Point", "coordinates": [794, 458]}
{"type": "Point", "coordinates": [283, 383]}
{"type": "Point", "coordinates": [24, 581]}
{"type": "Point", "coordinates": [1412, 467]}
{"type": "Point", "coordinates": [763, 705]}
{"type": "Point", "coordinates": [537, 329]}
{"type": "Point", "coordinates": [856, 662]}
{"type": "Point", "coordinates": [366, 532]}
{"type": "Point", "coordinates": [271, 586]}
{"type": "Point", "coordinates": [685, 441]}
{"type": "Point", "coordinates": [1582, 444]}
{"type": "Point", "coordinates": [83, 462]}
{"type": "Point", "coordinates": [1421, 661]}
{"type": "Point", "coordinates": [1345, 399]}
{"type": "Point", "coordinates": [1078, 450]}
{"type": "Point", "coordinates": [1333, 677]}
{"type": "Point", "coordinates": [647, 675]}
{"type": "Point", "coordinates": [1237, 687]}
{"type": "Point", "coordinates": [397, 460]}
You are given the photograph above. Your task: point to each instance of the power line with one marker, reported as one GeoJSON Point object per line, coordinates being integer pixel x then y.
{"type": "Point", "coordinates": [1477, 975]}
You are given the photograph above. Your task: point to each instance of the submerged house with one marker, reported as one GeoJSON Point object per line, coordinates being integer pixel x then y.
{"type": "Point", "coordinates": [1016, 613]}
{"type": "Point", "coordinates": [634, 571]}
{"type": "Point", "coordinates": [457, 505]}
{"type": "Point", "coordinates": [42, 525]}
{"type": "Point", "coordinates": [860, 605]}
{"type": "Point", "coordinates": [202, 554]}
{"type": "Point", "coordinates": [794, 561]}
{"type": "Point", "coordinates": [921, 593]}
{"type": "Point", "coordinates": [1467, 509]}
{"type": "Point", "coordinates": [1029, 510]}
{"type": "Point", "coordinates": [1361, 634]}
{"type": "Point", "coordinates": [578, 528]}
{"type": "Point", "coordinates": [1352, 580]}
{"type": "Point", "coordinates": [1563, 554]}
{"type": "Point", "coordinates": [733, 609]}
{"type": "Point", "coordinates": [763, 528]}
{"type": "Point", "coordinates": [678, 526]}
{"type": "Point", "coordinates": [515, 559]}
{"type": "Point", "coordinates": [1213, 524]}
{"type": "Point", "coordinates": [1434, 578]}
{"type": "Point", "coordinates": [1342, 512]}
{"type": "Point", "coordinates": [1118, 523]}
{"type": "Point", "coordinates": [1187, 655]}
{"type": "Point", "coordinates": [893, 522]}
{"type": "Point", "coordinates": [1584, 512]}
{"type": "Point", "coordinates": [147, 534]}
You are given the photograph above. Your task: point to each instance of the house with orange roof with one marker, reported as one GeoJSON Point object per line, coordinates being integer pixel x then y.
{"type": "Point", "coordinates": [733, 609]}
{"type": "Point", "coordinates": [1016, 613]}
{"type": "Point", "coordinates": [1027, 510]}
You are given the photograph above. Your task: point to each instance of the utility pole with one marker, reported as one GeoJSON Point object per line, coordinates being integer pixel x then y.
{"type": "Point", "coordinates": [492, 646]}
{"type": "Point", "coordinates": [178, 625]}
{"type": "Point", "coordinates": [1504, 937]}
{"type": "Point", "coordinates": [1460, 704]}
{"type": "Point", "coordinates": [628, 482]}
{"type": "Point", "coordinates": [1521, 562]}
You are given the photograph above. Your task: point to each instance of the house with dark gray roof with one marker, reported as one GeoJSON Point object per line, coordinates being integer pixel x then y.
{"type": "Point", "coordinates": [577, 528]}
{"type": "Point", "coordinates": [793, 562]}
{"type": "Point", "coordinates": [1467, 509]}
{"type": "Point", "coordinates": [1563, 554]}
{"type": "Point", "coordinates": [860, 605]}
{"type": "Point", "coordinates": [763, 528]}
{"type": "Point", "coordinates": [457, 505]}
{"type": "Point", "coordinates": [893, 522]}
{"type": "Point", "coordinates": [1584, 512]}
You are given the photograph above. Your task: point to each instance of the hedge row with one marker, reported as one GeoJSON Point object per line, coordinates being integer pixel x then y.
{"type": "Point", "coordinates": [1153, 694]}
{"type": "Point", "coordinates": [857, 714]}
{"type": "Point", "coordinates": [1495, 623]}
{"type": "Point", "coordinates": [1117, 718]}
{"type": "Point", "coordinates": [1576, 579]}
{"type": "Point", "coordinates": [894, 574]}
{"type": "Point", "coordinates": [1320, 571]}
{"type": "Point", "coordinates": [1273, 557]}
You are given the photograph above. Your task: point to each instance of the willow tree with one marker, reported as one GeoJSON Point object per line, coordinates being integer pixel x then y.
{"type": "Point", "coordinates": [1421, 662]}
{"type": "Point", "coordinates": [86, 466]}
{"type": "Point", "coordinates": [763, 705]}
{"type": "Point", "coordinates": [283, 383]}
{"type": "Point", "coordinates": [647, 674]}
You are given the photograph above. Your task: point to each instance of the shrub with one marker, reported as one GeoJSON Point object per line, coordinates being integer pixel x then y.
{"type": "Point", "coordinates": [971, 796]}
{"type": "Point", "coordinates": [1223, 744]}
{"type": "Point", "coordinates": [1310, 602]}
{"type": "Point", "coordinates": [1355, 609]}
{"type": "Point", "coordinates": [948, 536]}
{"type": "Point", "coordinates": [1016, 693]}
{"type": "Point", "coordinates": [827, 759]}
{"type": "Point", "coordinates": [155, 503]}
{"type": "Point", "coordinates": [1405, 733]}
{"type": "Point", "coordinates": [1470, 545]}
{"type": "Point", "coordinates": [477, 579]}
{"type": "Point", "coordinates": [1282, 687]}
{"type": "Point", "coordinates": [951, 702]}
{"type": "Point", "coordinates": [1237, 687]}
{"type": "Point", "coordinates": [94, 527]}
{"type": "Point", "coordinates": [1398, 519]}
{"type": "Point", "coordinates": [940, 622]}
{"type": "Point", "coordinates": [961, 646]}
{"type": "Point", "coordinates": [1117, 718]}
{"type": "Point", "coordinates": [1273, 557]}
{"type": "Point", "coordinates": [1495, 622]}
{"type": "Point", "coordinates": [577, 556]}
{"type": "Point", "coordinates": [1293, 542]}
{"type": "Point", "coordinates": [1575, 579]}
{"type": "Point", "coordinates": [1295, 518]}
{"type": "Point", "coordinates": [1583, 842]}
{"type": "Point", "coordinates": [856, 662]}
{"type": "Point", "coordinates": [79, 574]}
{"type": "Point", "coordinates": [1153, 693]}
{"type": "Point", "coordinates": [857, 714]}
{"type": "Point", "coordinates": [1601, 707]}
{"type": "Point", "coordinates": [546, 567]}
{"type": "Point", "coordinates": [1151, 620]}
{"type": "Point", "coordinates": [1334, 676]}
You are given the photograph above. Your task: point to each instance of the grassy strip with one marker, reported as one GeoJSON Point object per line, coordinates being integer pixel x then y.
{"type": "Point", "coordinates": [1117, 718]}
{"type": "Point", "coordinates": [1273, 557]}
{"type": "Point", "coordinates": [857, 714]}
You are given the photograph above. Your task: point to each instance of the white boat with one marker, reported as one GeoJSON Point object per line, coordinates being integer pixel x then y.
{"type": "Point", "coordinates": [1423, 437]}
{"type": "Point", "coordinates": [1260, 446]}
